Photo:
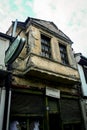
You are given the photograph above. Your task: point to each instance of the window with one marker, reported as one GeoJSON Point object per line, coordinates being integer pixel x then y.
{"type": "Point", "coordinates": [63, 54]}
{"type": "Point", "coordinates": [45, 46]}
{"type": "Point", "coordinates": [85, 72]}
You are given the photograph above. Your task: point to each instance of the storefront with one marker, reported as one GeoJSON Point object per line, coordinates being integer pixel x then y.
{"type": "Point", "coordinates": [35, 109]}
{"type": "Point", "coordinates": [27, 108]}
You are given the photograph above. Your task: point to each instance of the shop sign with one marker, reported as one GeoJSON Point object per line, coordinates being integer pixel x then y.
{"type": "Point", "coordinates": [52, 92]}
{"type": "Point", "coordinates": [14, 50]}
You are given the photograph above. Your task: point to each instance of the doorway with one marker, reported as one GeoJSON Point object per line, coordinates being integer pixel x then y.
{"type": "Point", "coordinates": [54, 121]}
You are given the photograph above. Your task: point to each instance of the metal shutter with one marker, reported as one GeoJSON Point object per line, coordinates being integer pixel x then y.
{"type": "Point", "coordinates": [26, 104]}
{"type": "Point", "coordinates": [70, 110]}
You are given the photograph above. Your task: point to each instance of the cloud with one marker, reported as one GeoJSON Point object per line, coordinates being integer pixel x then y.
{"type": "Point", "coordinates": [80, 44]}
{"type": "Point", "coordinates": [17, 2]}
{"type": "Point", "coordinates": [10, 12]}
{"type": "Point", "coordinates": [29, 3]}
{"type": "Point", "coordinates": [70, 17]}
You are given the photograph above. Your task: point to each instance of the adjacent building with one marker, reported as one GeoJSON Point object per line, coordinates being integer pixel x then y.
{"type": "Point", "coordinates": [45, 79]}
{"type": "Point", "coordinates": [82, 68]}
{"type": "Point", "coordinates": [4, 44]}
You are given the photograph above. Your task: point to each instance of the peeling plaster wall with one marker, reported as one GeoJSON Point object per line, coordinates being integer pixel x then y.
{"type": "Point", "coordinates": [34, 44]}
{"type": "Point", "coordinates": [33, 57]}
{"type": "Point", "coordinates": [54, 67]}
{"type": "Point", "coordinates": [41, 84]}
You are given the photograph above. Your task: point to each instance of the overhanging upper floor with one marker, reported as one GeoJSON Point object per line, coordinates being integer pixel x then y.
{"type": "Point", "coordinates": [35, 65]}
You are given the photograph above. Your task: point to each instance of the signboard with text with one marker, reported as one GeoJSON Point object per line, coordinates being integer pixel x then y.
{"type": "Point", "coordinates": [52, 92]}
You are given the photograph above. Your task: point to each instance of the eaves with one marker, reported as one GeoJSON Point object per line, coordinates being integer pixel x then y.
{"type": "Point", "coordinates": [83, 60]}
{"type": "Point", "coordinates": [51, 32]}
{"type": "Point", "coordinates": [6, 36]}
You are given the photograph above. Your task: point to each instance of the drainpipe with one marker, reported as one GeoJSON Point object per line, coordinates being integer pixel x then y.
{"type": "Point", "coordinates": [7, 101]}
{"type": "Point", "coordinates": [2, 106]}
{"type": "Point", "coordinates": [8, 90]}
{"type": "Point", "coordinates": [14, 28]}
{"type": "Point", "coordinates": [8, 112]}
{"type": "Point", "coordinates": [10, 80]}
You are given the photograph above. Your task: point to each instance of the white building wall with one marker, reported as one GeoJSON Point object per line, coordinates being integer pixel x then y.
{"type": "Point", "coordinates": [4, 43]}
{"type": "Point", "coordinates": [84, 90]}
{"type": "Point", "coordinates": [83, 81]}
{"type": "Point", "coordinates": [3, 47]}
{"type": "Point", "coordinates": [2, 105]}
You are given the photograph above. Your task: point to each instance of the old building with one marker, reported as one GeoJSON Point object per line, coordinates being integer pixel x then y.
{"type": "Point", "coordinates": [82, 67]}
{"type": "Point", "coordinates": [45, 81]}
{"type": "Point", "coordinates": [4, 43]}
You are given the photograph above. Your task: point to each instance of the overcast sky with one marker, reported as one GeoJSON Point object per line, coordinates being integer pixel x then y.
{"type": "Point", "coordinates": [70, 16]}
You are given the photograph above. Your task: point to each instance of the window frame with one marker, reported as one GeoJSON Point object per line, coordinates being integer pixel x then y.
{"type": "Point", "coordinates": [63, 54]}
{"type": "Point", "coordinates": [46, 46]}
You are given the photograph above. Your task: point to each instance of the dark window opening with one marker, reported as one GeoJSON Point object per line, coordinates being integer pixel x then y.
{"type": "Point", "coordinates": [54, 121]}
{"type": "Point", "coordinates": [27, 42]}
{"type": "Point", "coordinates": [63, 54]}
{"type": "Point", "coordinates": [85, 72]}
{"type": "Point", "coordinates": [45, 46]}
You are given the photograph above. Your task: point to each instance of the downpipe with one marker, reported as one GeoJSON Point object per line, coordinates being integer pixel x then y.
{"type": "Point", "coordinates": [8, 81]}
{"type": "Point", "coordinates": [8, 111]}
{"type": "Point", "coordinates": [2, 106]}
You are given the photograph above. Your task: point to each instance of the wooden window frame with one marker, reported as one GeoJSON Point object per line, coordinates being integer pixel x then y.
{"type": "Point", "coordinates": [63, 54]}
{"type": "Point", "coordinates": [45, 46]}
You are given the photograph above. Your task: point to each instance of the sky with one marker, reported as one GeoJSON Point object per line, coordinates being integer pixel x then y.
{"type": "Point", "coordinates": [70, 16]}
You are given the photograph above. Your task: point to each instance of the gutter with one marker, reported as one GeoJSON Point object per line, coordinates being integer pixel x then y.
{"type": "Point", "coordinates": [6, 36]}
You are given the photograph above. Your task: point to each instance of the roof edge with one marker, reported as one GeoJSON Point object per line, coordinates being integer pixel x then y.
{"type": "Point", "coordinates": [6, 36]}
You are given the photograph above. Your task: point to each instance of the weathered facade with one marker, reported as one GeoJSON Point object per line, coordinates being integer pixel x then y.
{"type": "Point", "coordinates": [45, 81]}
